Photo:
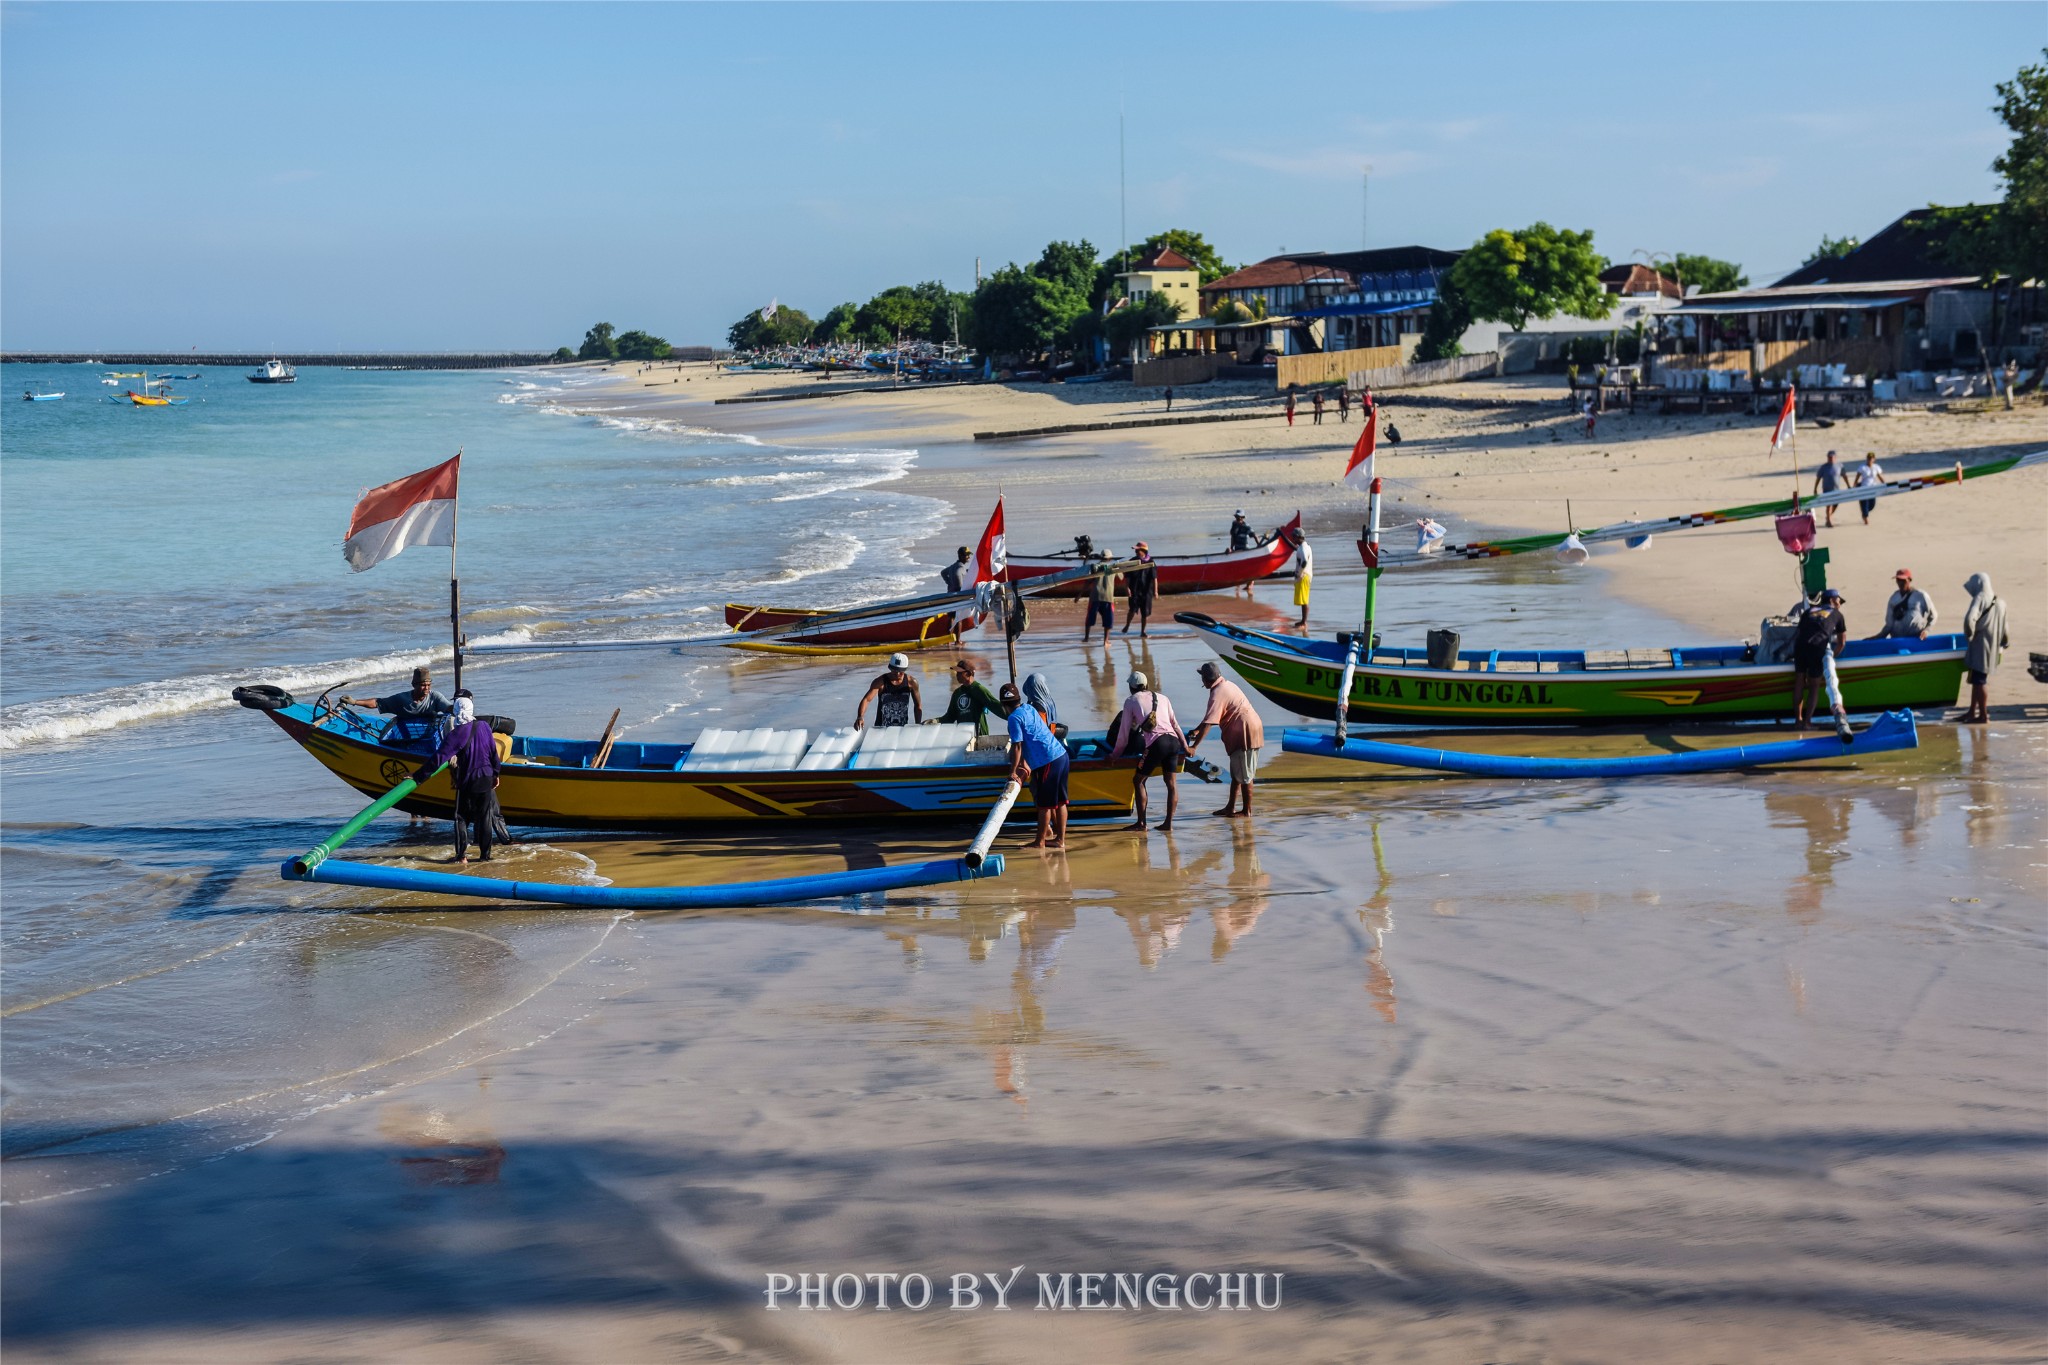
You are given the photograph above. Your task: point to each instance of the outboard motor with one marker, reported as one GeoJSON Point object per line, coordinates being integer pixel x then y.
{"type": "Point", "coordinates": [1084, 546]}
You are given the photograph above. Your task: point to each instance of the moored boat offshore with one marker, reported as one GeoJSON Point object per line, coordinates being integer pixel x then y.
{"type": "Point", "coordinates": [1574, 687]}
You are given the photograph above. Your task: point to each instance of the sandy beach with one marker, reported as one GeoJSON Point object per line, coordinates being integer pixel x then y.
{"type": "Point", "coordinates": [1731, 1068]}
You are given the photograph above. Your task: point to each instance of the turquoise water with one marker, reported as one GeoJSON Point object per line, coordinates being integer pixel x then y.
{"type": "Point", "coordinates": [155, 557]}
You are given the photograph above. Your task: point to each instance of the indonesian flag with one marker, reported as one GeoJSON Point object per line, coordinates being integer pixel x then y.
{"type": "Point", "coordinates": [418, 509]}
{"type": "Point", "coordinates": [1359, 472]}
{"type": "Point", "coordinates": [993, 555]}
{"type": "Point", "coordinates": [1783, 431]}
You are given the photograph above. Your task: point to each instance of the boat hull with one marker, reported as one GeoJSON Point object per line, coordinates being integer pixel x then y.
{"type": "Point", "coordinates": [797, 627]}
{"type": "Point", "coordinates": [616, 797]}
{"type": "Point", "coordinates": [1496, 689]}
{"type": "Point", "coordinates": [1175, 574]}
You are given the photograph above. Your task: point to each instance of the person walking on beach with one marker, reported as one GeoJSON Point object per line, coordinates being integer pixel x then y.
{"type": "Point", "coordinates": [1149, 729]}
{"type": "Point", "coordinates": [1141, 585]}
{"type": "Point", "coordinates": [1169, 398]}
{"type": "Point", "coordinates": [470, 747]}
{"type": "Point", "coordinates": [1316, 404]}
{"type": "Point", "coordinates": [1038, 756]}
{"type": "Point", "coordinates": [971, 701]}
{"type": "Point", "coordinates": [1827, 479]}
{"type": "Point", "coordinates": [897, 693]}
{"type": "Point", "coordinates": [1343, 405]}
{"type": "Point", "coordinates": [1591, 416]}
{"type": "Point", "coordinates": [1985, 639]}
{"type": "Point", "coordinates": [1101, 601]}
{"type": "Point", "coordinates": [1304, 571]}
{"type": "Point", "coordinates": [1243, 734]}
{"type": "Point", "coordinates": [956, 573]}
{"type": "Point", "coordinates": [1820, 631]}
{"type": "Point", "coordinates": [1290, 407]}
{"type": "Point", "coordinates": [1908, 615]}
{"type": "Point", "coordinates": [1868, 476]}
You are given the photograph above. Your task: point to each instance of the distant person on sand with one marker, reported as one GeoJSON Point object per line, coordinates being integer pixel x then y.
{"type": "Point", "coordinates": [1316, 403]}
{"type": "Point", "coordinates": [1868, 475]}
{"type": "Point", "coordinates": [971, 701]}
{"type": "Point", "coordinates": [1304, 571]}
{"type": "Point", "coordinates": [1290, 407]}
{"type": "Point", "coordinates": [1343, 405]}
{"type": "Point", "coordinates": [955, 573]}
{"type": "Point", "coordinates": [1148, 728]}
{"type": "Point", "coordinates": [1243, 734]}
{"type": "Point", "coordinates": [897, 693]}
{"type": "Point", "coordinates": [1828, 479]}
{"type": "Point", "coordinates": [1142, 585]}
{"type": "Point", "coordinates": [1591, 417]}
{"type": "Point", "coordinates": [1169, 398]}
{"type": "Point", "coordinates": [470, 747]}
{"type": "Point", "coordinates": [1908, 615]}
{"type": "Point", "coordinates": [1820, 630]}
{"type": "Point", "coordinates": [1101, 601]}
{"type": "Point", "coordinates": [1037, 754]}
{"type": "Point", "coordinates": [1985, 638]}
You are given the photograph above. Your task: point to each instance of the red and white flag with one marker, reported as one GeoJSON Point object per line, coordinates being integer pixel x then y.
{"type": "Point", "coordinates": [418, 509]}
{"type": "Point", "coordinates": [1783, 431]}
{"type": "Point", "coordinates": [993, 555]}
{"type": "Point", "coordinates": [1359, 472]}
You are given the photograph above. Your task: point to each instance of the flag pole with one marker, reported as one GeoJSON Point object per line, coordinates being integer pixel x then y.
{"type": "Point", "coordinates": [455, 584]}
{"type": "Point", "coordinates": [1361, 644]}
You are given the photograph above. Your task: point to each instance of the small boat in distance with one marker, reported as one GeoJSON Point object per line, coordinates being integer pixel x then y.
{"type": "Point", "coordinates": [275, 372]}
{"type": "Point", "coordinates": [39, 392]}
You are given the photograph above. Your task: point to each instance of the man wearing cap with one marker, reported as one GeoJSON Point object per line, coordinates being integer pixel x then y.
{"type": "Point", "coordinates": [1243, 734]}
{"type": "Point", "coordinates": [1908, 615]}
{"type": "Point", "coordinates": [421, 703]}
{"type": "Point", "coordinates": [1148, 728]}
{"type": "Point", "coordinates": [1037, 753]}
{"type": "Point", "coordinates": [1142, 585]}
{"type": "Point", "coordinates": [1240, 532]}
{"type": "Point", "coordinates": [898, 695]}
{"type": "Point", "coordinates": [955, 573]}
{"type": "Point", "coordinates": [971, 701]}
{"type": "Point", "coordinates": [1821, 631]}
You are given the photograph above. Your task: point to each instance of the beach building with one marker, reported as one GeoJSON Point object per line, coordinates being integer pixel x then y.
{"type": "Point", "coordinates": [1166, 272]}
{"type": "Point", "coordinates": [1894, 305]}
{"type": "Point", "coordinates": [1642, 296]}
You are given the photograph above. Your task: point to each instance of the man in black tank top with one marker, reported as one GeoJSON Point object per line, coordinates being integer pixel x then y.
{"type": "Point", "coordinates": [899, 699]}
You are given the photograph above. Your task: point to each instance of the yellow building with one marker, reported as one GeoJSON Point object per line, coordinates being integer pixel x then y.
{"type": "Point", "coordinates": [1165, 271]}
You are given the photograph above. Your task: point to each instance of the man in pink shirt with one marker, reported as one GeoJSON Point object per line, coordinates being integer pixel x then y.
{"type": "Point", "coordinates": [1148, 728]}
{"type": "Point", "coordinates": [1243, 734]}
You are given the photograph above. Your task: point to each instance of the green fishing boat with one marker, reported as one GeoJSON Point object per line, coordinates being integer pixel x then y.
{"type": "Point", "coordinates": [1504, 687]}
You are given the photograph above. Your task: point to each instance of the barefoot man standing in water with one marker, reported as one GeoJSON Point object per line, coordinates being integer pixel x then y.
{"type": "Point", "coordinates": [1243, 734]}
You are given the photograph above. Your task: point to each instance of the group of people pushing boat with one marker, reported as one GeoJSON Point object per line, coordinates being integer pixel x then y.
{"type": "Point", "coordinates": [1146, 727]}
{"type": "Point", "coordinates": [1820, 632]}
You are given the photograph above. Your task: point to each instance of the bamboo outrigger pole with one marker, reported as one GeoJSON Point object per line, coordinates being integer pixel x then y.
{"type": "Point", "coordinates": [1362, 642]}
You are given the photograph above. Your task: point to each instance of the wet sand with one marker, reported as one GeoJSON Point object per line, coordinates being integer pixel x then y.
{"type": "Point", "coordinates": [1738, 1067]}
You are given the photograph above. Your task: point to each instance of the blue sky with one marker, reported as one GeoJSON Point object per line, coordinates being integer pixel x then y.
{"type": "Point", "coordinates": [387, 176]}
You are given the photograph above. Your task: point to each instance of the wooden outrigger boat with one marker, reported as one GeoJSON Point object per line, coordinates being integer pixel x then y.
{"type": "Point", "coordinates": [1574, 687]}
{"type": "Point", "coordinates": [916, 627]}
{"type": "Point", "coordinates": [1175, 573]}
{"type": "Point", "coordinates": [924, 771]}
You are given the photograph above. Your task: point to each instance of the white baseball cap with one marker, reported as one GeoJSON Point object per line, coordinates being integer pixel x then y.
{"type": "Point", "coordinates": [1137, 681]}
{"type": "Point", "coordinates": [899, 661]}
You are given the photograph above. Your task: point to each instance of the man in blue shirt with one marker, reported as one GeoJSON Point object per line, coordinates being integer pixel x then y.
{"type": "Point", "coordinates": [1034, 748]}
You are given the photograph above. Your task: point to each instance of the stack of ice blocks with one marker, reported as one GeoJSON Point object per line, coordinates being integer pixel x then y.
{"type": "Point", "coordinates": [920, 746]}
{"type": "Point", "coordinates": [831, 749]}
{"type": "Point", "coordinates": [745, 751]}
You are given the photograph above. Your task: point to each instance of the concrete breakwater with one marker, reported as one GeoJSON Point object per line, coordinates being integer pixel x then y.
{"type": "Point", "coordinates": [382, 360]}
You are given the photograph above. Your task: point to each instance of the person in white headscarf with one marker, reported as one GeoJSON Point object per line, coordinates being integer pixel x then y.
{"type": "Point", "coordinates": [474, 754]}
{"type": "Point", "coordinates": [1985, 640]}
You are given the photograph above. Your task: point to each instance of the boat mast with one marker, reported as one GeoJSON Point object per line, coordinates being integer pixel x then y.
{"type": "Point", "coordinates": [454, 584]}
{"type": "Point", "coordinates": [1362, 642]}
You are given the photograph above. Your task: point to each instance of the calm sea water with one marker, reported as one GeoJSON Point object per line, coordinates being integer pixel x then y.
{"type": "Point", "coordinates": [155, 557]}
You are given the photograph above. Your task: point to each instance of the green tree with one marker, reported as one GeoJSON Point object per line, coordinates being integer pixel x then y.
{"type": "Point", "coordinates": [564, 353]}
{"type": "Point", "coordinates": [598, 344]}
{"type": "Point", "coordinates": [2023, 216]}
{"type": "Point", "coordinates": [1832, 248]}
{"type": "Point", "coordinates": [1131, 322]}
{"type": "Point", "coordinates": [837, 324]}
{"type": "Point", "coordinates": [897, 311]}
{"type": "Point", "coordinates": [1448, 318]}
{"type": "Point", "coordinates": [642, 346]}
{"type": "Point", "coordinates": [1539, 272]}
{"type": "Point", "coordinates": [1711, 275]}
{"type": "Point", "coordinates": [789, 327]}
{"type": "Point", "coordinates": [1043, 307]}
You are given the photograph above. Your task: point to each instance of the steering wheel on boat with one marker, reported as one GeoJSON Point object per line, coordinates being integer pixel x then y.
{"type": "Point", "coordinates": [323, 711]}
